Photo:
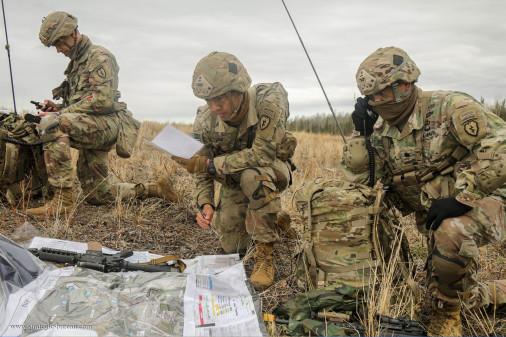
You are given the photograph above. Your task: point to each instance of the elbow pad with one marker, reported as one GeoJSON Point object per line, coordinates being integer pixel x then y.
{"type": "Point", "coordinates": [355, 155]}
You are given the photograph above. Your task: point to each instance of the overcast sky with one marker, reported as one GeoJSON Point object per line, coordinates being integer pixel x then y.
{"type": "Point", "coordinates": [458, 45]}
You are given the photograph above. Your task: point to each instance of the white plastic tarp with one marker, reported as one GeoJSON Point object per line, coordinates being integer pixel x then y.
{"type": "Point", "coordinates": [213, 297]}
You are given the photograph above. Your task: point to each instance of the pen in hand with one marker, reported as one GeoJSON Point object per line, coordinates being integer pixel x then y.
{"type": "Point", "coordinates": [201, 210]}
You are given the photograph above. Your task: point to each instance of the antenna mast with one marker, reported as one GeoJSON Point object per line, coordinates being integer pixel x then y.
{"type": "Point", "coordinates": [7, 47]}
{"type": "Point", "coordinates": [314, 70]}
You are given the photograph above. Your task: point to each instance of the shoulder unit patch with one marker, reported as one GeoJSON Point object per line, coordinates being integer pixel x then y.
{"type": "Point", "coordinates": [101, 72]}
{"type": "Point", "coordinates": [470, 124]}
{"type": "Point", "coordinates": [471, 128]}
{"type": "Point", "coordinates": [265, 121]}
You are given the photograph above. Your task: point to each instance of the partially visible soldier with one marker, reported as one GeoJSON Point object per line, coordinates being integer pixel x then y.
{"type": "Point", "coordinates": [248, 151]}
{"type": "Point", "coordinates": [22, 166]}
{"type": "Point", "coordinates": [443, 156]}
{"type": "Point", "coordinates": [90, 119]}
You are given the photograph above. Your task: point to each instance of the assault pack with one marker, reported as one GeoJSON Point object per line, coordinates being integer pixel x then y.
{"type": "Point", "coordinates": [353, 255]}
{"type": "Point", "coordinates": [348, 233]}
{"type": "Point", "coordinates": [22, 169]}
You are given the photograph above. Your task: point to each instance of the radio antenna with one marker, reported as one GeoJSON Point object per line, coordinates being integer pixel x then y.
{"type": "Point", "coordinates": [7, 47]}
{"type": "Point", "coordinates": [314, 70]}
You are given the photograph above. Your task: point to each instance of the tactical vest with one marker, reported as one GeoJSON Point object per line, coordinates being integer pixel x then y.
{"type": "Point", "coordinates": [348, 232]}
{"type": "Point", "coordinates": [21, 157]}
{"type": "Point", "coordinates": [77, 86]}
{"type": "Point", "coordinates": [418, 175]}
{"type": "Point", "coordinates": [232, 142]}
{"type": "Point", "coordinates": [286, 148]}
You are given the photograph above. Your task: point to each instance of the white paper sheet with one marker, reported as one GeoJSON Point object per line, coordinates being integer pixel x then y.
{"type": "Point", "coordinates": [220, 305]}
{"type": "Point", "coordinates": [211, 264]}
{"type": "Point", "coordinates": [176, 142]}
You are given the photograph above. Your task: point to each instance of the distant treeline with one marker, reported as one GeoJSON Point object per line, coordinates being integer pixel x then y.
{"type": "Point", "coordinates": [498, 107]}
{"type": "Point", "coordinates": [325, 123]}
{"type": "Point", "coordinates": [321, 123]}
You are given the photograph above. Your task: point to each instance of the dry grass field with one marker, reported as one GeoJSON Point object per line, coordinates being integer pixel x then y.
{"type": "Point", "coordinates": [167, 228]}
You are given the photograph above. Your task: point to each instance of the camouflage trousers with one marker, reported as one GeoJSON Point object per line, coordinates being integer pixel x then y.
{"type": "Point", "coordinates": [249, 211]}
{"type": "Point", "coordinates": [454, 254]}
{"type": "Point", "coordinates": [93, 136]}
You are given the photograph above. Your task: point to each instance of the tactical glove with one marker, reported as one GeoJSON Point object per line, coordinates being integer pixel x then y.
{"type": "Point", "coordinates": [196, 164]}
{"type": "Point", "coordinates": [442, 209]}
{"type": "Point", "coordinates": [363, 121]}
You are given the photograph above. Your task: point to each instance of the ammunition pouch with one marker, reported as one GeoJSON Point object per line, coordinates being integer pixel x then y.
{"type": "Point", "coordinates": [435, 182]}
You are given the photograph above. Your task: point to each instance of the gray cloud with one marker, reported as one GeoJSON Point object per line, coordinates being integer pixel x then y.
{"type": "Point", "coordinates": [458, 45]}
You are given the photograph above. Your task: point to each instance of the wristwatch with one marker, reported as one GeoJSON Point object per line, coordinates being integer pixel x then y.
{"type": "Point", "coordinates": [211, 169]}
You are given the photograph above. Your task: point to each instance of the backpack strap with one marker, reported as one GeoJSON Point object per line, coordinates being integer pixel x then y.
{"type": "Point", "coordinates": [308, 243]}
{"type": "Point", "coordinates": [8, 175]}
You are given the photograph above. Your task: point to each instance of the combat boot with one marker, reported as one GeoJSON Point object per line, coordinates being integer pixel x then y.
{"type": "Point", "coordinates": [162, 188]}
{"type": "Point", "coordinates": [61, 205]}
{"type": "Point", "coordinates": [263, 271]}
{"type": "Point", "coordinates": [284, 225]}
{"type": "Point", "coordinates": [445, 320]}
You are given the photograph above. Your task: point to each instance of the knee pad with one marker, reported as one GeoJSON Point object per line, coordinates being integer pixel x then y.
{"type": "Point", "coordinates": [50, 128]}
{"type": "Point", "coordinates": [258, 188]}
{"type": "Point", "coordinates": [449, 273]}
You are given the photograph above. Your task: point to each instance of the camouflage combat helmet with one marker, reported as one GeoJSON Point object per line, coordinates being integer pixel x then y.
{"type": "Point", "coordinates": [219, 73]}
{"type": "Point", "coordinates": [385, 67]}
{"type": "Point", "coordinates": [55, 26]}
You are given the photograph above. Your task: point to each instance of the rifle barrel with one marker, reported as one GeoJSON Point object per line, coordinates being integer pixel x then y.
{"type": "Point", "coordinates": [148, 267]}
{"type": "Point", "coordinates": [57, 257]}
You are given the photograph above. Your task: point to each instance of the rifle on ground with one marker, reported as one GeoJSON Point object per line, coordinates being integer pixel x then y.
{"type": "Point", "coordinates": [94, 259]}
{"type": "Point", "coordinates": [386, 326]}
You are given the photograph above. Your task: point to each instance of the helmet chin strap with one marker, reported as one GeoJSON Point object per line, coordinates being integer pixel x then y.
{"type": "Point", "coordinates": [229, 97]}
{"type": "Point", "coordinates": [399, 97]}
{"type": "Point", "coordinates": [234, 108]}
{"type": "Point", "coordinates": [238, 113]}
{"type": "Point", "coordinates": [395, 88]}
{"type": "Point", "coordinates": [72, 48]}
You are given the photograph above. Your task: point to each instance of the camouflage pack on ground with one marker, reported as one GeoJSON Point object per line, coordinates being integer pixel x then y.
{"type": "Point", "coordinates": [301, 309]}
{"type": "Point", "coordinates": [348, 232]}
{"type": "Point", "coordinates": [21, 157]}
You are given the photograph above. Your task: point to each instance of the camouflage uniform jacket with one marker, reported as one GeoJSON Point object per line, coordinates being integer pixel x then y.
{"type": "Point", "coordinates": [417, 164]}
{"type": "Point", "coordinates": [254, 143]}
{"type": "Point", "coordinates": [91, 82]}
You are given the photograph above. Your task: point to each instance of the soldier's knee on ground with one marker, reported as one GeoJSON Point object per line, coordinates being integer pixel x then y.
{"type": "Point", "coordinates": [448, 272]}
{"type": "Point", "coordinates": [258, 188]}
{"type": "Point", "coordinates": [453, 278]}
